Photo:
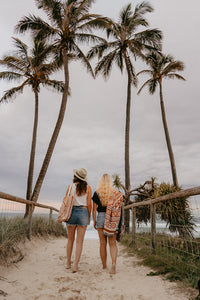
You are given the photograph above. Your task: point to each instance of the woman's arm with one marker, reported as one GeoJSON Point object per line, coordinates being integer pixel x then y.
{"type": "Point", "coordinates": [89, 201]}
{"type": "Point", "coordinates": [94, 211]}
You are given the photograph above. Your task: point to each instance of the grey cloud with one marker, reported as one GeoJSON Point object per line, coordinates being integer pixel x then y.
{"type": "Point", "coordinates": [92, 134]}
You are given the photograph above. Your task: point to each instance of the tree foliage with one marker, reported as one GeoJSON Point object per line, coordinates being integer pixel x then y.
{"type": "Point", "coordinates": [176, 213]}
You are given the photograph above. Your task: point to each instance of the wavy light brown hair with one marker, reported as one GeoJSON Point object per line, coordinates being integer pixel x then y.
{"type": "Point", "coordinates": [104, 189]}
{"type": "Point", "coordinates": [81, 186]}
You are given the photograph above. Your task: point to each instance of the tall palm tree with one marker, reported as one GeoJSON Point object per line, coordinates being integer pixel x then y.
{"type": "Point", "coordinates": [163, 66]}
{"type": "Point", "coordinates": [127, 43]}
{"type": "Point", "coordinates": [33, 70]}
{"type": "Point", "coordinates": [70, 23]}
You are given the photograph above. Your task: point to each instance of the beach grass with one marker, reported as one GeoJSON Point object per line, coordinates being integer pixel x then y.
{"type": "Point", "coordinates": [13, 231]}
{"type": "Point", "coordinates": [177, 259]}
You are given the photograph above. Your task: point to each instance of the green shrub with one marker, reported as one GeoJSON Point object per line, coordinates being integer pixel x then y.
{"type": "Point", "coordinates": [176, 213]}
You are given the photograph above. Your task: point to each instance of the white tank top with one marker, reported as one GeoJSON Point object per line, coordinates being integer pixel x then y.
{"type": "Point", "coordinates": [78, 200]}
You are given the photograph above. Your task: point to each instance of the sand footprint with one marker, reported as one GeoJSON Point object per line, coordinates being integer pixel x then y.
{"type": "Point", "coordinates": [63, 279]}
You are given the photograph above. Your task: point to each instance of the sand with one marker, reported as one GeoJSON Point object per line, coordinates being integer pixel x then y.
{"type": "Point", "coordinates": [42, 275]}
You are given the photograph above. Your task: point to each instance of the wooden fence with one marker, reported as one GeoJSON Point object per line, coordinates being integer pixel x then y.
{"type": "Point", "coordinates": [180, 252]}
{"type": "Point", "coordinates": [32, 205]}
{"type": "Point", "coordinates": [152, 203]}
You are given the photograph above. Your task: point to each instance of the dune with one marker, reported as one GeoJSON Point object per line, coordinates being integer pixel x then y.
{"type": "Point", "coordinates": [42, 275]}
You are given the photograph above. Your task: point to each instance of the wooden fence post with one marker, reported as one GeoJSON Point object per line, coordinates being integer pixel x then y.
{"type": "Point", "coordinates": [50, 215]}
{"type": "Point", "coordinates": [123, 214]}
{"type": "Point", "coordinates": [133, 224]}
{"type": "Point", "coordinates": [29, 229]}
{"type": "Point", "coordinates": [153, 227]}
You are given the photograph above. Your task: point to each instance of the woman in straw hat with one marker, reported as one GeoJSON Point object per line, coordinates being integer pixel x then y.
{"type": "Point", "coordinates": [107, 203]}
{"type": "Point", "coordinates": [80, 216]}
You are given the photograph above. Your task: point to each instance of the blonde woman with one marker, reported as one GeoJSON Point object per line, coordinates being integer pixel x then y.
{"type": "Point", "coordinates": [80, 216]}
{"type": "Point", "coordinates": [106, 204]}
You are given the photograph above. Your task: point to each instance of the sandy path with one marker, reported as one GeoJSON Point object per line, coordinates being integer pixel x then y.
{"type": "Point", "coordinates": [42, 275]}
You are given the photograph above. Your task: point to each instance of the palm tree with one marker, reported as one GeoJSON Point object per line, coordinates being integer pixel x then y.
{"type": "Point", "coordinates": [70, 24]}
{"type": "Point", "coordinates": [163, 66]}
{"type": "Point", "coordinates": [127, 43]}
{"type": "Point", "coordinates": [34, 71]}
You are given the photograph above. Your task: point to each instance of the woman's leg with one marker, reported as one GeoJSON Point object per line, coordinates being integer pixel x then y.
{"type": "Point", "coordinates": [79, 245]}
{"type": "Point", "coordinates": [103, 244]}
{"type": "Point", "coordinates": [113, 253]}
{"type": "Point", "coordinates": [70, 242]}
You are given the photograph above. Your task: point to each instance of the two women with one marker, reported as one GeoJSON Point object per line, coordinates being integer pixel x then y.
{"type": "Point", "coordinates": [106, 215]}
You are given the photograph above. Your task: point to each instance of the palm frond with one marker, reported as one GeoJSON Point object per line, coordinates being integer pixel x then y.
{"type": "Point", "coordinates": [175, 75]}
{"type": "Point", "coordinates": [54, 84]}
{"type": "Point", "coordinates": [94, 22]}
{"type": "Point", "coordinates": [86, 38]}
{"type": "Point", "coordinates": [131, 71]}
{"type": "Point", "coordinates": [97, 50]}
{"type": "Point", "coordinates": [84, 59]}
{"type": "Point", "coordinates": [142, 9]}
{"type": "Point", "coordinates": [21, 50]}
{"type": "Point", "coordinates": [42, 29]}
{"type": "Point", "coordinates": [119, 60]}
{"type": "Point", "coordinates": [144, 84]}
{"type": "Point", "coordinates": [54, 12]}
{"type": "Point", "coordinates": [13, 63]}
{"type": "Point", "coordinates": [150, 37]}
{"type": "Point", "coordinates": [102, 48]}
{"type": "Point", "coordinates": [41, 52]}
{"type": "Point", "coordinates": [84, 7]}
{"type": "Point", "coordinates": [13, 92]}
{"type": "Point", "coordinates": [135, 49]}
{"type": "Point", "coordinates": [125, 15]}
{"type": "Point", "coordinates": [152, 86]}
{"type": "Point", "coordinates": [117, 182]}
{"type": "Point", "coordinates": [173, 66]}
{"type": "Point", "coordinates": [145, 72]}
{"type": "Point", "coordinates": [135, 23]}
{"type": "Point", "coordinates": [10, 76]}
{"type": "Point", "coordinates": [105, 64]}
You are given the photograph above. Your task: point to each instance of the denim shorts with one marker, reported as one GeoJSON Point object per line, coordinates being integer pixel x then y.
{"type": "Point", "coordinates": [79, 216]}
{"type": "Point", "coordinates": [100, 219]}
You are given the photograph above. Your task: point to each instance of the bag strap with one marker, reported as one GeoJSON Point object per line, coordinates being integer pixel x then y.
{"type": "Point", "coordinates": [70, 189]}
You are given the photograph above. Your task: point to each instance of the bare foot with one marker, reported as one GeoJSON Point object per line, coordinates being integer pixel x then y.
{"type": "Point", "coordinates": [68, 266]}
{"type": "Point", "coordinates": [104, 267]}
{"type": "Point", "coordinates": [113, 269]}
{"type": "Point", "coordinates": [75, 269]}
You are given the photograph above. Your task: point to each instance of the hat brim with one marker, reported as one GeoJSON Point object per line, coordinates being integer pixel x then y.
{"type": "Point", "coordinates": [75, 173]}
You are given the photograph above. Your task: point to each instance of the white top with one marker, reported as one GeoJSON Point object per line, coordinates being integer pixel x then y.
{"type": "Point", "coordinates": [78, 200]}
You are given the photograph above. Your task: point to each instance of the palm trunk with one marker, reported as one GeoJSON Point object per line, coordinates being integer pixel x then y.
{"type": "Point", "coordinates": [57, 128]}
{"type": "Point", "coordinates": [169, 146]}
{"type": "Point", "coordinates": [127, 138]}
{"type": "Point", "coordinates": [32, 156]}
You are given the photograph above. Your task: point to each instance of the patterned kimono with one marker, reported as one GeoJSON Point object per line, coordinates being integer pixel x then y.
{"type": "Point", "coordinates": [113, 213]}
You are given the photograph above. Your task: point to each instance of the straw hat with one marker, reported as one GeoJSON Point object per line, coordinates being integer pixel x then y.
{"type": "Point", "coordinates": [81, 174]}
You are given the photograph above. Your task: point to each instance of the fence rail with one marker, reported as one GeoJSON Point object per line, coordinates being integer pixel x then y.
{"type": "Point", "coordinates": [9, 197]}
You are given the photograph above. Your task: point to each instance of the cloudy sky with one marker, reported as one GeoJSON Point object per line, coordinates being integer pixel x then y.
{"type": "Point", "coordinates": [92, 134]}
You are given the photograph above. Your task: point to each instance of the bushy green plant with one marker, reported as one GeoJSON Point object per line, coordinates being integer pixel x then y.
{"type": "Point", "coordinates": [176, 213]}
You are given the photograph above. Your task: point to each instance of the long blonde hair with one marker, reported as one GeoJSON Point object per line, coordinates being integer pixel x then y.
{"type": "Point", "coordinates": [104, 189]}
